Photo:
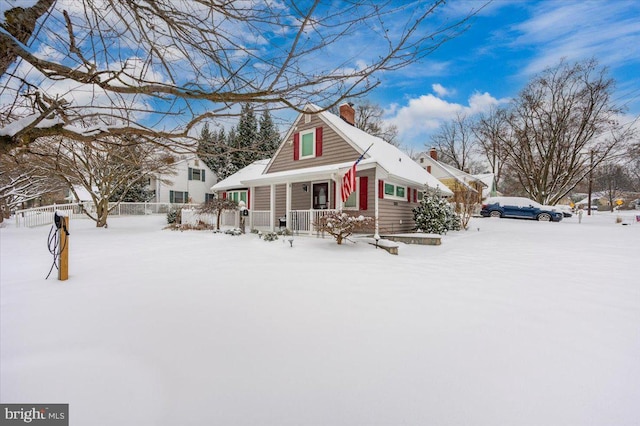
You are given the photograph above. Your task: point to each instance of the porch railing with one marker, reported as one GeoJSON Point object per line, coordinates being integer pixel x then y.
{"type": "Point", "coordinates": [301, 221]}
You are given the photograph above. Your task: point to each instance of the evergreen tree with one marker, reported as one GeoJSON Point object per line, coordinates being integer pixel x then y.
{"type": "Point", "coordinates": [269, 136]}
{"type": "Point", "coordinates": [247, 138]}
{"type": "Point", "coordinates": [213, 149]}
{"type": "Point", "coordinates": [235, 158]}
{"type": "Point", "coordinates": [435, 215]}
{"type": "Point", "coordinates": [138, 192]}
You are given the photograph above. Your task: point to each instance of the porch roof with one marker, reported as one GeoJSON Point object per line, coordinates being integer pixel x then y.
{"type": "Point", "coordinates": [236, 180]}
{"type": "Point", "coordinates": [329, 171]}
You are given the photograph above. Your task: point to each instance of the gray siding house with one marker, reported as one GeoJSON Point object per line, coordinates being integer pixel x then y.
{"type": "Point", "coordinates": [303, 179]}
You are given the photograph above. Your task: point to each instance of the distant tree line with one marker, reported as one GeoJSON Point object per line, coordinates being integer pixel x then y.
{"type": "Point", "coordinates": [561, 130]}
{"type": "Point", "coordinates": [251, 139]}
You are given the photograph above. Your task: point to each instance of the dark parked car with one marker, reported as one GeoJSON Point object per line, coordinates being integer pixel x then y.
{"type": "Point", "coordinates": [519, 207]}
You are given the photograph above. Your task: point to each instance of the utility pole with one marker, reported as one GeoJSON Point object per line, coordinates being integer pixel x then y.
{"type": "Point", "coordinates": [590, 183]}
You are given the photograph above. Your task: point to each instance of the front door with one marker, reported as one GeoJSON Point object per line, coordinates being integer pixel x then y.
{"type": "Point", "coordinates": [320, 196]}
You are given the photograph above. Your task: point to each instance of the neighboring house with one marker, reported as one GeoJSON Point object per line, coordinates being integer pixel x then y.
{"type": "Point", "coordinates": [490, 189]}
{"type": "Point", "coordinates": [190, 184]}
{"type": "Point", "coordinates": [83, 196]}
{"type": "Point", "coordinates": [303, 179]}
{"type": "Point", "coordinates": [467, 189]}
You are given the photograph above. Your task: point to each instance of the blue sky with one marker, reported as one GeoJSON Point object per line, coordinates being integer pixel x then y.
{"type": "Point", "coordinates": [507, 43]}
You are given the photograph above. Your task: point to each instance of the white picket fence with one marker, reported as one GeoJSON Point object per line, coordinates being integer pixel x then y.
{"type": "Point", "coordinates": [39, 216]}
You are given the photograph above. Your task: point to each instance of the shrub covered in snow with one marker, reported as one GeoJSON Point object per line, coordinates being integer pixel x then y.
{"type": "Point", "coordinates": [341, 225]}
{"type": "Point", "coordinates": [435, 215]}
{"type": "Point", "coordinates": [174, 216]}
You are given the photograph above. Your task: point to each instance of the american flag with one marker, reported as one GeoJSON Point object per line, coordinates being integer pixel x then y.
{"type": "Point", "coordinates": [349, 178]}
{"type": "Point", "coordinates": [349, 182]}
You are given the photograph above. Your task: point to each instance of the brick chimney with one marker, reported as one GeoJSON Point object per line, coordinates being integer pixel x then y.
{"type": "Point", "coordinates": [433, 154]}
{"type": "Point", "coordinates": [348, 114]}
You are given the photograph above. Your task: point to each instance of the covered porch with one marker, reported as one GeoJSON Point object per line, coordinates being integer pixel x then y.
{"type": "Point", "coordinates": [296, 199]}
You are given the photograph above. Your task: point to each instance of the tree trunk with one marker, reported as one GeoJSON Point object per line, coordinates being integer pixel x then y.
{"type": "Point", "coordinates": [102, 213]}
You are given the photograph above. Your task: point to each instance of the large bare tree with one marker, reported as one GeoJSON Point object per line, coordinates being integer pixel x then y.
{"type": "Point", "coordinates": [157, 68]}
{"type": "Point", "coordinates": [21, 181]}
{"type": "Point", "coordinates": [105, 168]}
{"type": "Point", "coordinates": [491, 130]}
{"type": "Point", "coordinates": [369, 118]}
{"type": "Point", "coordinates": [456, 144]}
{"type": "Point", "coordinates": [560, 127]}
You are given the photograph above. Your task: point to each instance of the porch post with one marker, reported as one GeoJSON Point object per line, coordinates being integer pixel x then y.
{"type": "Point", "coordinates": [338, 193]}
{"type": "Point", "coordinates": [251, 200]}
{"type": "Point", "coordinates": [272, 207]}
{"type": "Point", "coordinates": [376, 202]}
{"type": "Point", "coordinates": [288, 205]}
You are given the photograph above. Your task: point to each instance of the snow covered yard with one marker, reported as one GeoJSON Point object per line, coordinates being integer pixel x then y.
{"type": "Point", "coordinates": [510, 323]}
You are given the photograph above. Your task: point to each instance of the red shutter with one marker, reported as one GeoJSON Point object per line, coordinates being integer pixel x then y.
{"type": "Point", "coordinates": [296, 146]}
{"type": "Point", "coordinates": [224, 195]}
{"type": "Point", "coordinates": [428, 169]}
{"type": "Point", "coordinates": [248, 198]}
{"type": "Point", "coordinates": [318, 141]}
{"type": "Point", "coordinates": [364, 183]}
{"type": "Point", "coordinates": [408, 194]}
{"type": "Point", "coordinates": [415, 195]}
{"type": "Point", "coordinates": [380, 189]}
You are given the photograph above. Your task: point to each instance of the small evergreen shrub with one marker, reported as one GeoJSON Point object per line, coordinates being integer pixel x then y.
{"type": "Point", "coordinates": [435, 215]}
{"type": "Point", "coordinates": [270, 236]}
{"type": "Point", "coordinates": [174, 216]}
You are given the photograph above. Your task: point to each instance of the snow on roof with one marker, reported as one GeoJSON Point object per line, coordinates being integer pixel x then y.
{"type": "Point", "coordinates": [398, 164]}
{"type": "Point", "coordinates": [488, 179]}
{"type": "Point", "coordinates": [236, 180]}
{"type": "Point", "coordinates": [311, 173]}
{"type": "Point", "coordinates": [83, 193]}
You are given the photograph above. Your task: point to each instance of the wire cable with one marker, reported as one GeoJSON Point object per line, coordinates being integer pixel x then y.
{"type": "Point", "coordinates": [53, 243]}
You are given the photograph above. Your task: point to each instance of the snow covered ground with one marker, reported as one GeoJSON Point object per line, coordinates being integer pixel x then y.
{"type": "Point", "coordinates": [510, 323]}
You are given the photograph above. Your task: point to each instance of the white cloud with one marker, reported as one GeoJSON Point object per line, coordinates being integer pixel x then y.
{"type": "Point", "coordinates": [422, 115]}
{"type": "Point", "coordinates": [440, 90]}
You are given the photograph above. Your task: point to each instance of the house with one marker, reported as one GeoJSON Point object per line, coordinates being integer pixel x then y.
{"type": "Point", "coordinates": [489, 180]}
{"type": "Point", "coordinates": [467, 189]}
{"type": "Point", "coordinates": [302, 181]}
{"type": "Point", "coordinates": [191, 183]}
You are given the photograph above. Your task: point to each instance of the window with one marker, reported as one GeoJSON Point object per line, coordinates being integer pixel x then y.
{"type": "Point", "coordinates": [420, 195]}
{"type": "Point", "coordinates": [352, 202]}
{"type": "Point", "coordinates": [393, 191]}
{"type": "Point", "coordinates": [178, 197]}
{"type": "Point", "coordinates": [421, 160]}
{"type": "Point", "coordinates": [308, 144]}
{"type": "Point", "coordinates": [237, 196]}
{"type": "Point", "coordinates": [209, 197]}
{"type": "Point", "coordinates": [196, 174]}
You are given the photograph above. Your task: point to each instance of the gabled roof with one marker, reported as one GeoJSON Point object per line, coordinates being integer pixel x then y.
{"type": "Point", "coordinates": [236, 180]}
{"type": "Point", "coordinates": [489, 180]}
{"type": "Point", "coordinates": [451, 172]}
{"type": "Point", "coordinates": [398, 165]}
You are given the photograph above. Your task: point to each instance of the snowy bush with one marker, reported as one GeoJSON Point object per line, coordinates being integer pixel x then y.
{"type": "Point", "coordinates": [270, 236]}
{"type": "Point", "coordinates": [174, 216]}
{"type": "Point", "coordinates": [435, 215]}
{"type": "Point", "coordinates": [341, 225]}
